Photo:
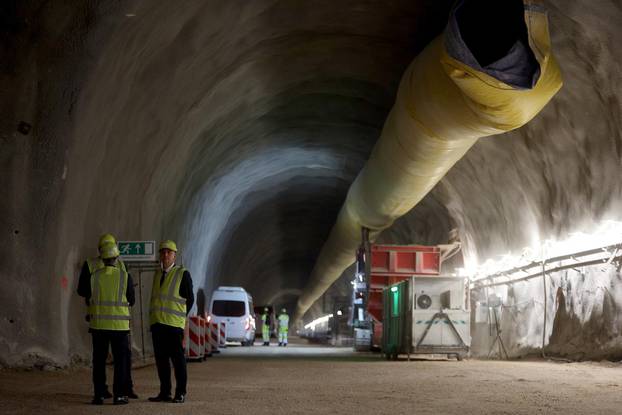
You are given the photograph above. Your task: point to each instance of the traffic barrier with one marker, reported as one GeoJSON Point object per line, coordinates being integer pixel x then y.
{"type": "Point", "coordinates": [214, 337]}
{"type": "Point", "coordinates": [201, 337]}
{"type": "Point", "coordinates": [194, 349]}
{"type": "Point", "coordinates": [207, 350]}
{"type": "Point", "coordinates": [223, 334]}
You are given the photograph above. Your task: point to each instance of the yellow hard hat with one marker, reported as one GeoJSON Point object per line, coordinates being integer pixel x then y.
{"type": "Point", "coordinates": [168, 244]}
{"type": "Point", "coordinates": [109, 250]}
{"type": "Point", "coordinates": [106, 238]}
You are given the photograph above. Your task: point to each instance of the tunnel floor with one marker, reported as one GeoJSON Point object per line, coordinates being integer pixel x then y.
{"type": "Point", "coordinates": [305, 379]}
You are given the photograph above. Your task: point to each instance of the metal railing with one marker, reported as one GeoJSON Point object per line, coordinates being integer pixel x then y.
{"type": "Point", "coordinates": [603, 255]}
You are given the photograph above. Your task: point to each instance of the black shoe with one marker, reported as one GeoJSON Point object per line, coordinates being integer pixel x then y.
{"type": "Point", "coordinates": [97, 400]}
{"type": "Point", "coordinates": [160, 398]}
{"type": "Point", "coordinates": [284, 344]}
{"type": "Point", "coordinates": [132, 395]}
{"type": "Point", "coordinates": [120, 400]}
{"type": "Point", "coordinates": [107, 395]}
{"type": "Point", "coordinates": [179, 399]}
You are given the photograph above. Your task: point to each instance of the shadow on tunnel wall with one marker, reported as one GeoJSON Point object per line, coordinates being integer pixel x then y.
{"type": "Point", "coordinates": [200, 302]}
{"type": "Point", "coordinates": [327, 77]}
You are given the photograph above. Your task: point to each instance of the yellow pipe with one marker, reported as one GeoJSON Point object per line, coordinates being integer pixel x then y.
{"type": "Point", "coordinates": [442, 108]}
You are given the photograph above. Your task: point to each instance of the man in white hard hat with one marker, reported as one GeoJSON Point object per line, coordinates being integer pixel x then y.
{"type": "Point", "coordinates": [172, 298]}
{"type": "Point", "coordinates": [109, 293]}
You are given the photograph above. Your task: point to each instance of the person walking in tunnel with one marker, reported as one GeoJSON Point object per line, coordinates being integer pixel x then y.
{"type": "Point", "coordinates": [88, 268]}
{"type": "Point", "coordinates": [265, 326]}
{"type": "Point", "coordinates": [109, 293]}
{"type": "Point", "coordinates": [283, 327]}
{"type": "Point", "coordinates": [172, 298]}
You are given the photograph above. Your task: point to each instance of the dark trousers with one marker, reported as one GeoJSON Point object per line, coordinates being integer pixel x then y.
{"type": "Point", "coordinates": [167, 348]}
{"type": "Point", "coordinates": [128, 362]}
{"type": "Point", "coordinates": [130, 382]}
{"type": "Point", "coordinates": [102, 341]}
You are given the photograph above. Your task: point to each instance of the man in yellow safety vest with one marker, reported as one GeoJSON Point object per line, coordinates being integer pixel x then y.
{"type": "Point", "coordinates": [171, 300]}
{"type": "Point", "coordinates": [109, 293]}
{"type": "Point", "coordinates": [266, 323]}
{"type": "Point", "coordinates": [88, 268]}
{"type": "Point", "coordinates": [283, 327]}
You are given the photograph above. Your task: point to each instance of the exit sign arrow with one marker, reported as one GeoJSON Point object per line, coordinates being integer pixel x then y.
{"type": "Point", "coordinates": [137, 250]}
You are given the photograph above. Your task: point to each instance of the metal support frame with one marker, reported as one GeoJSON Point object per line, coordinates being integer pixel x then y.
{"type": "Point", "coordinates": [544, 307]}
{"type": "Point", "coordinates": [367, 279]}
{"type": "Point", "coordinates": [498, 337]}
{"type": "Point", "coordinates": [440, 315]}
{"type": "Point", "coordinates": [598, 256]}
{"type": "Point", "coordinates": [141, 266]}
{"type": "Point", "coordinates": [605, 255]}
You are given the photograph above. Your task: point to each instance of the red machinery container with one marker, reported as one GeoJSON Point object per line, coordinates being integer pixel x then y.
{"type": "Point", "coordinates": [391, 264]}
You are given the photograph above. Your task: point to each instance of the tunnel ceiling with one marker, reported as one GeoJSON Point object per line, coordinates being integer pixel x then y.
{"type": "Point", "coordinates": [236, 128]}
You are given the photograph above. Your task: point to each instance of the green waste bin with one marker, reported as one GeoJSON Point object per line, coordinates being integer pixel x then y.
{"type": "Point", "coordinates": [395, 330]}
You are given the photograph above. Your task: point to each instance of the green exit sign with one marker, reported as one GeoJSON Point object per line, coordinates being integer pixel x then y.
{"type": "Point", "coordinates": [137, 250]}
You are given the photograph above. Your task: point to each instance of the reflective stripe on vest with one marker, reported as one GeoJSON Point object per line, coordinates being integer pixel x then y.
{"type": "Point", "coordinates": [108, 306]}
{"type": "Point", "coordinates": [167, 307]}
{"type": "Point", "coordinates": [96, 264]}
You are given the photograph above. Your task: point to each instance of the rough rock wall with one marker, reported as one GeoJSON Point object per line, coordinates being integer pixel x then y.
{"type": "Point", "coordinates": [583, 319]}
{"type": "Point", "coordinates": [237, 127]}
{"type": "Point", "coordinates": [559, 174]}
{"type": "Point", "coordinates": [195, 123]}
{"type": "Point", "coordinates": [43, 68]}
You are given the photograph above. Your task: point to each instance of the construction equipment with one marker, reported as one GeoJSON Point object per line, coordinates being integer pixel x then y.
{"type": "Point", "coordinates": [379, 266]}
{"type": "Point", "coordinates": [427, 315]}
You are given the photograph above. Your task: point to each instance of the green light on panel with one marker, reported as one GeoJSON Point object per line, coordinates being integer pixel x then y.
{"type": "Point", "coordinates": [396, 302]}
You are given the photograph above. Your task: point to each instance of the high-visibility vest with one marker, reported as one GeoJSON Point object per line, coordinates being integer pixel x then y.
{"type": "Point", "coordinates": [96, 263]}
{"type": "Point", "coordinates": [283, 323]}
{"type": "Point", "coordinates": [108, 306]}
{"type": "Point", "coordinates": [265, 326]}
{"type": "Point", "coordinates": [167, 307]}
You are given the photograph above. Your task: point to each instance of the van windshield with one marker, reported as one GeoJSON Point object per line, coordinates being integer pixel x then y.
{"type": "Point", "coordinates": [225, 308]}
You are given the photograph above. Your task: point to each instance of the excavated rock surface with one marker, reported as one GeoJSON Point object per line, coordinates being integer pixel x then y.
{"type": "Point", "coordinates": [236, 128]}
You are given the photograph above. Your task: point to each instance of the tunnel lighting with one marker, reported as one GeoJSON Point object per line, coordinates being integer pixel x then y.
{"type": "Point", "coordinates": [393, 289]}
{"type": "Point", "coordinates": [317, 321]}
{"type": "Point", "coordinates": [608, 233]}
{"type": "Point", "coordinates": [339, 313]}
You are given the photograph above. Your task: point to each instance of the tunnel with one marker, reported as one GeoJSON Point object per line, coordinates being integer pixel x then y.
{"type": "Point", "coordinates": [237, 129]}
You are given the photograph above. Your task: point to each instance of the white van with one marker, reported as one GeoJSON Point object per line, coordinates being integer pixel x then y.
{"type": "Point", "coordinates": [234, 306]}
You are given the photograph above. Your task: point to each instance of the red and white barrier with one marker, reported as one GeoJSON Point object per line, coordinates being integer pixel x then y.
{"type": "Point", "coordinates": [194, 339]}
{"type": "Point", "coordinates": [207, 350]}
{"type": "Point", "coordinates": [214, 337]}
{"type": "Point", "coordinates": [223, 334]}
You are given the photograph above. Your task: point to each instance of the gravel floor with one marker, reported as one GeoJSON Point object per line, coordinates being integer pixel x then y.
{"type": "Point", "coordinates": [309, 379]}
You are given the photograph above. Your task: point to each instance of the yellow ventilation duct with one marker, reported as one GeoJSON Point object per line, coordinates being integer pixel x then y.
{"type": "Point", "coordinates": [445, 102]}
